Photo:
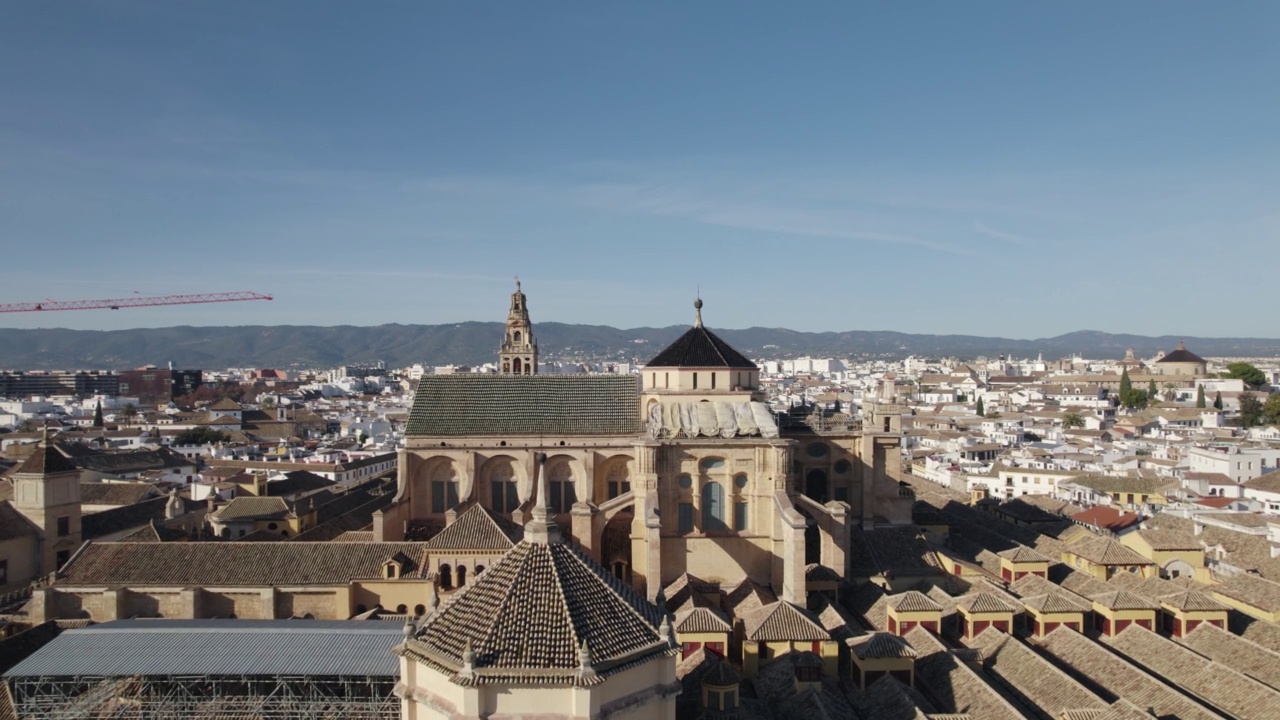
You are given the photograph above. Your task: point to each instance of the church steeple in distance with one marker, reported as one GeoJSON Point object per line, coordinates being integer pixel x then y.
{"type": "Point", "coordinates": [519, 352]}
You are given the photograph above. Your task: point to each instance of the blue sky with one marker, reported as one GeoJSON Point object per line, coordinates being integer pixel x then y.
{"type": "Point", "coordinates": [1016, 169]}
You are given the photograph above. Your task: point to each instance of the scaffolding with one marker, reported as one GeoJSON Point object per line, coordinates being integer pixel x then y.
{"type": "Point", "coordinates": [205, 696]}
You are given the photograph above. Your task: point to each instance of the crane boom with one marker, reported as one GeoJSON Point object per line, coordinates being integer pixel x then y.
{"type": "Point", "coordinates": [136, 301]}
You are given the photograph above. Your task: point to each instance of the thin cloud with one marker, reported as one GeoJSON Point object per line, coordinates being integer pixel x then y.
{"type": "Point", "coordinates": [1001, 235]}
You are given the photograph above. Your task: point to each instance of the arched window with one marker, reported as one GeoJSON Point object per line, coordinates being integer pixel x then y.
{"type": "Point", "coordinates": [444, 488]}
{"type": "Point", "coordinates": [517, 366]}
{"type": "Point", "coordinates": [479, 569]}
{"type": "Point", "coordinates": [402, 610]}
{"type": "Point", "coordinates": [419, 610]}
{"type": "Point", "coordinates": [815, 485]}
{"type": "Point", "coordinates": [462, 575]}
{"type": "Point", "coordinates": [713, 507]}
{"type": "Point", "coordinates": [560, 485]}
{"type": "Point", "coordinates": [516, 336]}
{"type": "Point", "coordinates": [503, 496]}
{"type": "Point", "coordinates": [446, 577]}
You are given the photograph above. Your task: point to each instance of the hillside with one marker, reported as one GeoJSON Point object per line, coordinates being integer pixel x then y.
{"type": "Point", "coordinates": [476, 342]}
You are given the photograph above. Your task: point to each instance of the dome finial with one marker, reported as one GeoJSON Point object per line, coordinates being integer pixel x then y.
{"type": "Point", "coordinates": [697, 312]}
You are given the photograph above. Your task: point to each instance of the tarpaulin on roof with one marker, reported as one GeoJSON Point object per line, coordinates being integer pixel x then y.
{"type": "Point", "coordinates": [708, 419]}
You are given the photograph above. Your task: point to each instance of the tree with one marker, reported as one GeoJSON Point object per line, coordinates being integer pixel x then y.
{"type": "Point", "coordinates": [980, 409]}
{"type": "Point", "coordinates": [97, 415]}
{"type": "Point", "coordinates": [1152, 392]}
{"type": "Point", "coordinates": [1125, 383]}
{"type": "Point", "coordinates": [129, 412]}
{"type": "Point", "coordinates": [1217, 400]}
{"type": "Point", "coordinates": [1200, 403]}
{"type": "Point", "coordinates": [1271, 410]}
{"type": "Point", "coordinates": [1134, 399]}
{"type": "Point", "coordinates": [200, 436]}
{"type": "Point", "coordinates": [1072, 420]}
{"type": "Point", "coordinates": [1252, 376]}
{"type": "Point", "coordinates": [1250, 410]}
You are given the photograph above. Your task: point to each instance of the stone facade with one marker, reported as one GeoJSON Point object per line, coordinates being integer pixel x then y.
{"type": "Point", "coordinates": [650, 505]}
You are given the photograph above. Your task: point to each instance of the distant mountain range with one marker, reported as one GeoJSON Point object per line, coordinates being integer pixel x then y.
{"type": "Point", "coordinates": [289, 346]}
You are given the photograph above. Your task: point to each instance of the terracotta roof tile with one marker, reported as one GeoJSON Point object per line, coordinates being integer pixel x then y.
{"type": "Point", "coordinates": [782, 621]}
{"type": "Point", "coordinates": [217, 563]}
{"type": "Point", "coordinates": [1111, 674]}
{"type": "Point", "coordinates": [880, 645]}
{"type": "Point", "coordinates": [1235, 652]}
{"type": "Point", "coordinates": [1105, 551]}
{"type": "Point", "coordinates": [913, 601]}
{"type": "Point", "coordinates": [1219, 685]}
{"type": "Point", "coordinates": [1030, 677]}
{"type": "Point", "coordinates": [477, 528]}
{"type": "Point", "coordinates": [535, 607]}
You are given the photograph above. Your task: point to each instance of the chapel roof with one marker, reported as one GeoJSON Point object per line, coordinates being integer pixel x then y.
{"type": "Point", "coordinates": [699, 347]}
{"type": "Point", "coordinates": [486, 405]}
{"type": "Point", "coordinates": [1181, 355]}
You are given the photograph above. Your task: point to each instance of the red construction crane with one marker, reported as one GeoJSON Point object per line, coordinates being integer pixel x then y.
{"type": "Point", "coordinates": [136, 301]}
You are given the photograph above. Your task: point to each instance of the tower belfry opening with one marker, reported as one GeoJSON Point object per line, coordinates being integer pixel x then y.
{"type": "Point", "coordinates": [519, 352]}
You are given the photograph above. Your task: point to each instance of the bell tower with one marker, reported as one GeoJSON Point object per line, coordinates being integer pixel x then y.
{"type": "Point", "coordinates": [46, 488]}
{"type": "Point", "coordinates": [519, 352]}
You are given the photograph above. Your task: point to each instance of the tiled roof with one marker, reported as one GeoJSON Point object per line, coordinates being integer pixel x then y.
{"type": "Point", "coordinates": [748, 595]}
{"type": "Point", "coordinates": [1181, 355]}
{"type": "Point", "coordinates": [983, 602]}
{"type": "Point", "coordinates": [44, 460]}
{"type": "Point", "coordinates": [913, 601]}
{"type": "Point", "coordinates": [477, 528]}
{"type": "Point", "coordinates": [213, 564]}
{"type": "Point", "coordinates": [1250, 589]}
{"type": "Point", "coordinates": [1192, 600]}
{"type": "Point", "coordinates": [115, 493]}
{"type": "Point", "coordinates": [1031, 677]}
{"type": "Point", "coordinates": [1056, 602]}
{"type": "Point", "coordinates": [534, 608]}
{"type": "Point", "coordinates": [693, 618]}
{"type": "Point", "coordinates": [1224, 688]}
{"type": "Point", "coordinates": [876, 645]}
{"type": "Point", "coordinates": [1124, 600]}
{"type": "Point", "coordinates": [252, 508]}
{"type": "Point", "coordinates": [127, 517]}
{"type": "Point", "coordinates": [815, 572]}
{"type": "Point", "coordinates": [698, 347]}
{"type": "Point", "coordinates": [132, 461]}
{"type": "Point", "coordinates": [684, 587]}
{"type": "Point", "coordinates": [1022, 554]}
{"type": "Point", "coordinates": [1108, 673]}
{"type": "Point", "coordinates": [487, 405]}
{"type": "Point", "coordinates": [965, 688]}
{"type": "Point", "coordinates": [225, 404]}
{"type": "Point", "coordinates": [1105, 551]}
{"type": "Point", "coordinates": [1269, 482]}
{"type": "Point", "coordinates": [1169, 540]}
{"type": "Point", "coordinates": [1235, 652]}
{"type": "Point", "coordinates": [782, 621]}
{"type": "Point", "coordinates": [14, 524]}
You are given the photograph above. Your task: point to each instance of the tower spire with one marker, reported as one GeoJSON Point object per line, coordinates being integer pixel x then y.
{"type": "Point", "coordinates": [697, 312]}
{"type": "Point", "coordinates": [518, 354]}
